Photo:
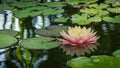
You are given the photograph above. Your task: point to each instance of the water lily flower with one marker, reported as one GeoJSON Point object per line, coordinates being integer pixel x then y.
{"type": "Point", "coordinates": [78, 40]}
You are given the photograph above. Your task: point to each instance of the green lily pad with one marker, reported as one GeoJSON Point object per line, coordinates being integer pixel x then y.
{"type": "Point", "coordinates": [22, 13]}
{"type": "Point", "coordinates": [35, 13]}
{"type": "Point", "coordinates": [95, 19]}
{"type": "Point", "coordinates": [7, 41]}
{"type": "Point", "coordinates": [61, 19]}
{"type": "Point", "coordinates": [23, 4]}
{"type": "Point", "coordinates": [36, 8]}
{"type": "Point", "coordinates": [100, 6]}
{"type": "Point", "coordinates": [102, 13]}
{"type": "Point", "coordinates": [114, 10]}
{"type": "Point", "coordinates": [52, 31]}
{"type": "Point", "coordinates": [76, 2]}
{"type": "Point", "coordinates": [54, 4]}
{"type": "Point", "coordinates": [25, 13]}
{"type": "Point", "coordinates": [95, 62]}
{"type": "Point", "coordinates": [80, 19]}
{"type": "Point", "coordinates": [111, 1]}
{"type": "Point", "coordinates": [8, 32]}
{"type": "Point", "coordinates": [39, 43]}
{"type": "Point", "coordinates": [5, 7]}
{"type": "Point", "coordinates": [115, 19]}
{"type": "Point", "coordinates": [108, 19]}
{"type": "Point", "coordinates": [97, 12]}
{"type": "Point", "coordinates": [116, 4]}
{"type": "Point", "coordinates": [90, 11]}
{"type": "Point", "coordinates": [116, 54]}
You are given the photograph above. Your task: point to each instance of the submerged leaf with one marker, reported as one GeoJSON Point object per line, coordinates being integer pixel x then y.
{"type": "Point", "coordinates": [39, 43]}
{"type": "Point", "coordinates": [8, 32]}
{"type": "Point", "coordinates": [95, 62]}
{"type": "Point", "coordinates": [7, 41]}
{"type": "Point", "coordinates": [52, 31]}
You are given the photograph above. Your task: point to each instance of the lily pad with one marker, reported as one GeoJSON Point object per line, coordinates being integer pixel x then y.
{"type": "Point", "coordinates": [25, 13]}
{"type": "Point", "coordinates": [100, 6]}
{"type": "Point", "coordinates": [115, 19]}
{"type": "Point", "coordinates": [61, 19]}
{"type": "Point", "coordinates": [22, 13]}
{"type": "Point", "coordinates": [80, 19]}
{"type": "Point", "coordinates": [90, 11]}
{"type": "Point", "coordinates": [54, 4]}
{"type": "Point", "coordinates": [102, 13]}
{"type": "Point", "coordinates": [95, 62]}
{"type": "Point", "coordinates": [114, 10]}
{"type": "Point", "coordinates": [5, 7]}
{"type": "Point", "coordinates": [7, 41]}
{"type": "Point", "coordinates": [39, 43]}
{"type": "Point", "coordinates": [76, 2]}
{"type": "Point", "coordinates": [23, 4]}
{"type": "Point", "coordinates": [116, 54]}
{"type": "Point", "coordinates": [111, 1]}
{"type": "Point", "coordinates": [52, 31]}
{"type": "Point", "coordinates": [36, 8]}
{"type": "Point", "coordinates": [8, 32]}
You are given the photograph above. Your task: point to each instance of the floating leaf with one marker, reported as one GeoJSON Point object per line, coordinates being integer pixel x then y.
{"type": "Point", "coordinates": [102, 13]}
{"type": "Point", "coordinates": [8, 32]}
{"type": "Point", "coordinates": [95, 19]}
{"type": "Point", "coordinates": [90, 11]}
{"type": "Point", "coordinates": [61, 19]}
{"type": "Point", "coordinates": [95, 62]}
{"type": "Point", "coordinates": [53, 31]}
{"type": "Point", "coordinates": [36, 8]}
{"type": "Point", "coordinates": [7, 41]}
{"type": "Point", "coordinates": [52, 11]}
{"type": "Point", "coordinates": [80, 19]}
{"type": "Point", "coordinates": [39, 43]}
{"type": "Point", "coordinates": [108, 19]}
{"type": "Point", "coordinates": [116, 54]}
{"type": "Point", "coordinates": [22, 13]}
{"type": "Point", "coordinates": [5, 7]}
{"type": "Point", "coordinates": [23, 4]}
{"type": "Point", "coordinates": [25, 13]}
{"type": "Point", "coordinates": [116, 4]}
{"type": "Point", "coordinates": [54, 4]}
{"type": "Point", "coordinates": [114, 10]}
{"type": "Point", "coordinates": [76, 2]}
{"type": "Point", "coordinates": [35, 13]}
{"type": "Point", "coordinates": [111, 1]}
{"type": "Point", "coordinates": [100, 6]}
{"type": "Point", "coordinates": [116, 19]}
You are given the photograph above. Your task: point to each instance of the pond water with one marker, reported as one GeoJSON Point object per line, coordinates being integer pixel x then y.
{"type": "Point", "coordinates": [16, 57]}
